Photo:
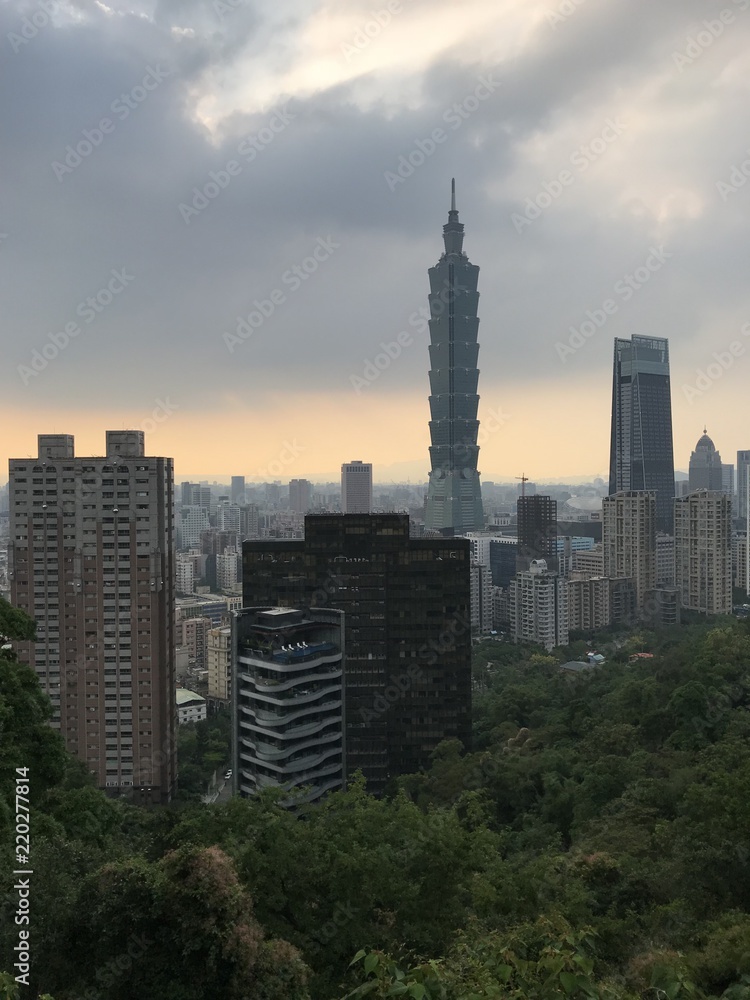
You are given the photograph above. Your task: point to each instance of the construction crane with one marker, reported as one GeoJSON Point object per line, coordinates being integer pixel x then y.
{"type": "Point", "coordinates": [524, 479]}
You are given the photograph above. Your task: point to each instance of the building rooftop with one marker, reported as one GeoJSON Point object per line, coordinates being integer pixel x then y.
{"type": "Point", "coordinates": [183, 697]}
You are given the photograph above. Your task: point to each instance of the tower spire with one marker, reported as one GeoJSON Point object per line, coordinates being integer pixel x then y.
{"type": "Point", "coordinates": [453, 232]}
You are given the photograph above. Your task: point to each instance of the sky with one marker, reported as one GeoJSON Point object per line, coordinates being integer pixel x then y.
{"type": "Point", "coordinates": [216, 220]}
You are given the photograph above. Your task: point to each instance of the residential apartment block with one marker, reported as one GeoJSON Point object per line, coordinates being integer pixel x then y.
{"type": "Point", "coordinates": [92, 561]}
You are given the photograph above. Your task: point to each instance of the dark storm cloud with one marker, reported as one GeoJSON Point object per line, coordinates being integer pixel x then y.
{"type": "Point", "coordinates": [314, 166]}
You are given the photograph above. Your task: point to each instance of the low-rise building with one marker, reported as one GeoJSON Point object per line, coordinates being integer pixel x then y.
{"type": "Point", "coordinates": [191, 707]}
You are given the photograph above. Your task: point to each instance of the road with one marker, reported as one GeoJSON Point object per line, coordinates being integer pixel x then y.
{"type": "Point", "coordinates": [220, 790]}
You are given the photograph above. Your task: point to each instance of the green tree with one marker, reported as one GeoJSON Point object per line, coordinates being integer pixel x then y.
{"type": "Point", "coordinates": [182, 928]}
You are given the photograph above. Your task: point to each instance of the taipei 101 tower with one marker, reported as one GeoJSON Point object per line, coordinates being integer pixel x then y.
{"type": "Point", "coordinates": [454, 498]}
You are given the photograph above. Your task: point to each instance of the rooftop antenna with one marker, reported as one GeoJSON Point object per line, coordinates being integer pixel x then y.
{"type": "Point", "coordinates": [453, 194]}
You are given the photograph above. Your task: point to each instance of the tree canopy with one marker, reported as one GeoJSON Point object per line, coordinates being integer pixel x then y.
{"type": "Point", "coordinates": [595, 843]}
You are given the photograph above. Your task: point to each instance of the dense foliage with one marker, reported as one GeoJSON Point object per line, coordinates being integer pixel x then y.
{"type": "Point", "coordinates": [202, 747]}
{"type": "Point", "coordinates": [596, 843]}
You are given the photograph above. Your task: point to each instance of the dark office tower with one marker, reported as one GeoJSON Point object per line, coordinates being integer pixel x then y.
{"type": "Point", "coordinates": [537, 531]}
{"type": "Point", "coordinates": [237, 490]}
{"type": "Point", "coordinates": [92, 561]}
{"type": "Point", "coordinates": [407, 678]}
{"type": "Point", "coordinates": [705, 470]}
{"type": "Point", "coordinates": [641, 456]}
{"type": "Point", "coordinates": [454, 499]}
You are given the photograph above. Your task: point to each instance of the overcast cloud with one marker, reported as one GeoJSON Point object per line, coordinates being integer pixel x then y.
{"type": "Point", "coordinates": [618, 117]}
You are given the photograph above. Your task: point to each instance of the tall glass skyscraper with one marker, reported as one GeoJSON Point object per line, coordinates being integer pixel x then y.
{"type": "Point", "coordinates": [641, 455]}
{"type": "Point", "coordinates": [454, 498]}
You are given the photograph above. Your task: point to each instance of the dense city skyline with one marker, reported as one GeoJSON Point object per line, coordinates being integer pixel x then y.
{"type": "Point", "coordinates": [197, 169]}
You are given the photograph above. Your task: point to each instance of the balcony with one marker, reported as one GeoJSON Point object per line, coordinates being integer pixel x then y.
{"type": "Point", "coordinates": [289, 656]}
{"type": "Point", "coordinates": [298, 696]}
{"type": "Point", "coordinates": [269, 751]}
{"type": "Point", "coordinates": [270, 684]}
{"type": "Point", "coordinates": [307, 762]}
{"type": "Point", "coordinates": [283, 717]}
{"type": "Point", "coordinates": [292, 734]}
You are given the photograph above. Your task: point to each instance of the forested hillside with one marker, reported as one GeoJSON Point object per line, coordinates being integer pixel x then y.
{"type": "Point", "coordinates": [596, 843]}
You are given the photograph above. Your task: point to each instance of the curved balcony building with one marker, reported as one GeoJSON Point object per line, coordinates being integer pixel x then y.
{"type": "Point", "coordinates": [287, 675]}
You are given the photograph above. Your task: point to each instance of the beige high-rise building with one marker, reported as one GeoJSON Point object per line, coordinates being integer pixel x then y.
{"type": "Point", "coordinates": [185, 575]}
{"type": "Point", "coordinates": [194, 637]}
{"type": "Point", "coordinates": [92, 561]}
{"type": "Point", "coordinates": [703, 551]}
{"type": "Point", "coordinates": [228, 568]}
{"type": "Point", "coordinates": [664, 559]}
{"type": "Point", "coordinates": [481, 598]}
{"type": "Point", "coordinates": [538, 604]}
{"type": "Point", "coordinates": [588, 603]}
{"type": "Point", "coordinates": [740, 561]}
{"type": "Point", "coordinates": [629, 539]}
{"type": "Point", "coordinates": [588, 562]}
{"type": "Point", "coordinates": [218, 662]}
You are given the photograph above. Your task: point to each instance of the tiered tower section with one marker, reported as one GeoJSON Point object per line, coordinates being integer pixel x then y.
{"type": "Point", "coordinates": [454, 499]}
